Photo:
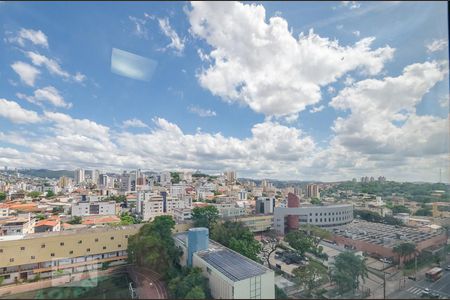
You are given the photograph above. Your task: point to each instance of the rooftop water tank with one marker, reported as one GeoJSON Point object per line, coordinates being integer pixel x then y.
{"type": "Point", "coordinates": [198, 239]}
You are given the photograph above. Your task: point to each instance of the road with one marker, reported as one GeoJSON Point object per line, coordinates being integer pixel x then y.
{"type": "Point", "coordinates": [413, 289]}
{"type": "Point", "coordinates": [148, 284]}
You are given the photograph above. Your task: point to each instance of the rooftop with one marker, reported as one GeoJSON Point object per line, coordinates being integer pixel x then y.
{"type": "Point", "coordinates": [230, 263]}
{"type": "Point", "coordinates": [382, 234]}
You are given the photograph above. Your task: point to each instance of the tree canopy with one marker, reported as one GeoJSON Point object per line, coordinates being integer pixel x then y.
{"type": "Point", "coordinates": [237, 237]}
{"type": "Point", "coordinates": [310, 276]}
{"type": "Point", "coordinates": [75, 220]}
{"type": "Point", "coordinates": [34, 194]}
{"type": "Point", "coordinates": [2, 196]}
{"type": "Point", "coordinates": [348, 270]}
{"type": "Point", "coordinates": [50, 194]}
{"type": "Point", "coordinates": [400, 209]}
{"type": "Point", "coordinates": [404, 249]}
{"type": "Point", "coordinates": [127, 219]}
{"type": "Point", "coordinates": [154, 247]}
{"type": "Point", "coordinates": [205, 216]}
{"type": "Point", "coordinates": [300, 241]}
{"type": "Point", "coordinates": [189, 284]}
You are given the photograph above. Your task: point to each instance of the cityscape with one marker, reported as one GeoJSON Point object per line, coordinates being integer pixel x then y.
{"type": "Point", "coordinates": [224, 150]}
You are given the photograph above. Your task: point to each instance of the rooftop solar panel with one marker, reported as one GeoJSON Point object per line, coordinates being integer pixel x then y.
{"type": "Point", "coordinates": [231, 264]}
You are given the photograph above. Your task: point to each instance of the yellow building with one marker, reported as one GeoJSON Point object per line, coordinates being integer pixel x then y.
{"type": "Point", "coordinates": [66, 252]}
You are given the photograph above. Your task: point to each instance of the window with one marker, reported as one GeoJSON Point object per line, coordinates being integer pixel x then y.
{"type": "Point", "coordinates": [43, 246]}
{"type": "Point", "coordinates": [320, 219]}
{"type": "Point", "coordinates": [310, 214]}
{"type": "Point", "coordinates": [11, 259]}
{"type": "Point", "coordinates": [120, 246]}
{"type": "Point", "coordinates": [320, 213]}
{"type": "Point", "coordinates": [316, 219]}
{"type": "Point", "coordinates": [32, 257]}
{"type": "Point", "coordinates": [22, 248]}
{"type": "Point", "coordinates": [112, 238]}
{"type": "Point", "coordinates": [52, 254]}
{"type": "Point", "coordinates": [316, 214]}
{"type": "Point", "coordinates": [126, 236]}
{"type": "Point", "coordinates": [80, 241]}
{"type": "Point", "coordinates": [70, 252]}
{"type": "Point", "coordinates": [61, 244]}
{"type": "Point", "coordinates": [1, 250]}
{"type": "Point", "coordinates": [88, 249]}
{"type": "Point", "coordinates": [104, 247]}
{"type": "Point", "coordinates": [96, 240]}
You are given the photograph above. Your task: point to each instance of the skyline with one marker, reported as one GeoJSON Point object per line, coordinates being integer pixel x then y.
{"type": "Point", "coordinates": [289, 91]}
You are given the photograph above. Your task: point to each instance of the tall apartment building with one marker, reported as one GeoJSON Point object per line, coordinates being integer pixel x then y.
{"type": "Point", "coordinates": [149, 205]}
{"type": "Point", "coordinates": [94, 208]}
{"type": "Point", "coordinates": [79, 176]}
{"type": "Point", "coordinates": [265, 205]}
{"type": "Point", "coordinates": [67, 252]}
{"type": "Point", "coordinates": [64, 182]}
{"type": "Point", "coordinates": [312, 191]}
{"type": "Point", "coordinates": [230, 176]}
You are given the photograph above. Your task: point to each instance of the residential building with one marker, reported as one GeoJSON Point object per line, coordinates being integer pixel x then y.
{"type": "Point", "coordinates": [312, 191]}
{"type": "Point", "coordinates": [230, 176]}
{"type": "Point", "coordinates": [4, 210]}
{"type": "Point", "coordinates": [94, 208]}
{"type": "Point", "coordinates": [182, 214]}
{"type": "Point", "coordinates": [149, 205]}
{"type": "Point", "coordinates": [440, 209]}
{"type": "Point", "coordinates": [48, 225]}
{"type": "Point", "coordinates": [230, 274]}
{"type": "Point", "coordinates": [242, 195]}
{"type": "Point", "coordinates": [79, 176]}
{"type": "Point", "coordinates": [257, 223]}
{"type": "Point", "coordinates": [17, 226]}
{"type": "Point", "coordinates": [265, 205]}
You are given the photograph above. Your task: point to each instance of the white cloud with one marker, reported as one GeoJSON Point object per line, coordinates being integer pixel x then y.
{"type": "Point", "coordinates": [377, 106]}
{"type": "Point", "coordinates": [53, 66]}
{"type": "Point", "coordinates": [134, 123]}
{"type": "Point", "coordinates": [202, 112]}
{"type": "Point", "coordinates": [436, 45]}
{"type": "Point", "coordinates": [316, 109]}
{"type": "Point", "coordinates": [351, 4]}
{"type": "Point", "coordinates": [47, 94]}
{"type": "Point", "coordinates": [15, 113]}
{"type": "Point", "coordinates": [26, 72]}
{"type": "Point", "coordinates": [349, 80]}
{"type": "Point", "coordinates": [444, 101]}
{"type": "Point", "coordinates": [339, 27]}
{"type": "Point", "coordinates": [37, 37]}
{"type": "Point", "coordinates": [293, 70]}
{"type": "Point", "coordinates": [356, 33]}
{"type": "Point", "coordinates": [175, 42]}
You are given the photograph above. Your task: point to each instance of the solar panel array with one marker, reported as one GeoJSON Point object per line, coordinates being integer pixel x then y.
{"type": "Point", "coordinates": [232, 265]}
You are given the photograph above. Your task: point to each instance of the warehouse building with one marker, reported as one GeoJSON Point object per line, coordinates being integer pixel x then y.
{"type": "Point", "coordinates": [230, 275]}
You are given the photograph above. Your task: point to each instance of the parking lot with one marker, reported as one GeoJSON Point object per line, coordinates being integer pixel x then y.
{"type": "Point", "coordinates": [286, 265]}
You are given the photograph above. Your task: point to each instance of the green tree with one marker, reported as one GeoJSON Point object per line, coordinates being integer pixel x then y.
{"type": "Point", "coordinates": [404, 249]}
{"type": "Point", "coordinates": [189, 284]}
{"type": "Point", "coordinates": [40, 217]}
{"type": "Point", "coordinates": [154, 247]}
{"type": "Point", "coordinates": [205, 216]}
{"type": "Point", "coordinates": [348, 270]}
{"type": "Point", "coordinates": [271, 245]}
{"type": "Point", "coordinates": [316, 201]}
{"type": "Point", "coordinates": [368, 215]}
{"type": "Point", "coordinates": [390, 220]}
{"type": "Point", "coordinates": [319, 234]}
{"type": "Point", "coordinates": [75, 220]}
{"type": "Point", "coordinates": [57, 209]}
{"type": "Point", "coordinates": [2, 196]}
{"type": "Point", "coordinates": [311, 276]}
{"type": "Point", "coordinates": [127, 219]}
{"type": "Point", "coordinates": [195, 293]}
{"type": "Point", "coordinates": [175, 177]}
{"type": "Point", "coordinates": [237, 237]}
{"type": "Point", "coordinates": [396, 209]}
{"type": "Point", "coordinates": [299, 241]}
{"type": "Point", "coordinates": [34, 194]}
{"type": "Point", "coordinates": [423, 212]}
{"type": "Point", "coordinates": [49, 194]}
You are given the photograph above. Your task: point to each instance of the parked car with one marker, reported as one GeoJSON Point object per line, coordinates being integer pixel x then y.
{"type": "Point", "coordinates": [412, 278]}
{"type": "Point", "coordinates": [426, 292]}
{"type": "Point", "coordinates": [447, 268]}
{"type": "Point", "coordinates": [434, 295]}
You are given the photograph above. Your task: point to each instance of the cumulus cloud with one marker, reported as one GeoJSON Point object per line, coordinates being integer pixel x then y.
{"type": "Point", "coordinates": [139, 27]}
{"type": "Point", "coordinates": [36, 37]}
{"type": "Point", "coordinates": [383, 116]}
{"type": "Point", "coordinates": [26, 72]}
{"type": "Point", "coordinates": [436, 45]}
{"type": "Point", "coordinates": [134, 123]}
{"type": "Point", "coordinates": [201, 111]}
{"type": "Point", "coordinates": [176, 43]}
{"type": "Point", "coordinates": [356, 33]}
{"type": "Point", "coordinates": [294, 69]}
{"type": "Point", "coordinates": [15, 113]}
{"type": "Point", "coordinates": [47, 94]}
{"type": "Point", "coordinates": [53, 66]}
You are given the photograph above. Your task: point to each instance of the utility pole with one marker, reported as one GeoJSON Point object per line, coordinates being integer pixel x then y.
{"type": "Point", "coordinates": [384, 285]}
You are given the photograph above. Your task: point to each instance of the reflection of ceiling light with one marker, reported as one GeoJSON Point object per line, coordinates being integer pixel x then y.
{"type": "Point", "coordinates": [131, 65]}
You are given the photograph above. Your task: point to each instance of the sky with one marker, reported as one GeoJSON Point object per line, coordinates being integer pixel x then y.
{"type": "Point", "coordinates": [321, 91]}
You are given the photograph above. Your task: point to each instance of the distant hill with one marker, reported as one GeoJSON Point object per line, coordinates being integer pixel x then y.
{"type": "Point", "coordinates": [47, 173]}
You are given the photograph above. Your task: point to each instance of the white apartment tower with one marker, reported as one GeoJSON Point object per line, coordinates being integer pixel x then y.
{"type": "Point", "coordinates": [79, 176]}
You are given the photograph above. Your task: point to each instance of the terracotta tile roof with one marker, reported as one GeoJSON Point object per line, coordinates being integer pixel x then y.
{"type": "Point", "coordinates": [50, 223]}
{"type": "Point", "coordinates": [100, 220]}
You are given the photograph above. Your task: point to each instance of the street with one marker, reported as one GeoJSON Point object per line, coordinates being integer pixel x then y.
{"type": "Point", "coordinates": [413, 290]}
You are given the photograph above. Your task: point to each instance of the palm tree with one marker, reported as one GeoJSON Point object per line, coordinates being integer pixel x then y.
{"type": "Point", "coordinates": [404, 250]}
